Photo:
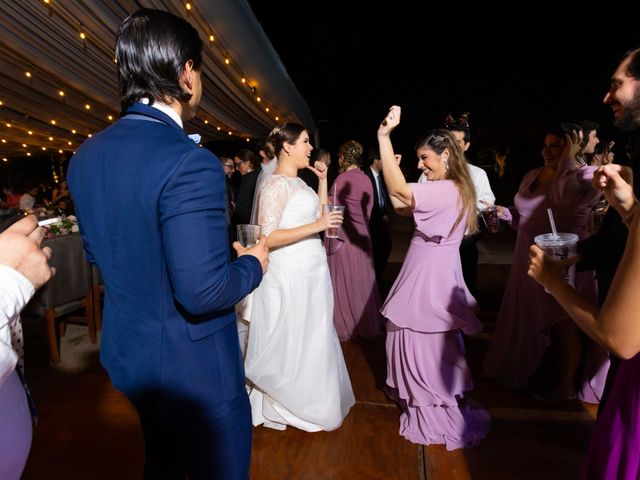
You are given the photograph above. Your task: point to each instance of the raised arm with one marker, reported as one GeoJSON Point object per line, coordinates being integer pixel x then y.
{"type": "Point", "coordinates": [393, 178]}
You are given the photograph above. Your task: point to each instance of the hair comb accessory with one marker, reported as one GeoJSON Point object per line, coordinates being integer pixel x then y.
{"type": "Point", "coordinates": [276, 131]}
{"type": "Point", "coordinates": [463, 120]}
{"type": "Point", "coordinates": [448, 121]}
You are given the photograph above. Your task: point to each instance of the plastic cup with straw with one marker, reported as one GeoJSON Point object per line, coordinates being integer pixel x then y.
{"type": "Point", "coordinates": [559, 246]}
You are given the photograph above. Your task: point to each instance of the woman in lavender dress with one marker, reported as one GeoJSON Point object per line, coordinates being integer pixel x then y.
{"type": "Point", "coordinates": [429, 305]}
{"type": "Point", "coordinates": [350, 256]}
{"type": "Point", "coordinates": [530, 319]}
{"type": "Point", "coordinates": [613, 453]}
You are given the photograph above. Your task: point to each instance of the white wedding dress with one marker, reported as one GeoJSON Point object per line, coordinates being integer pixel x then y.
{"type": "Point", "coordinates": [294, 362]}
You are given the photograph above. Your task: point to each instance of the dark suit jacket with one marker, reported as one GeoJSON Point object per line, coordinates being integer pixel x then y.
{"type": "Point", "coordinates": [244, 200]}
{"type": "Point", "coordinates": [150, 204]}
{"type": "Point", "coordinates": [380, 236]}
{"type": "Point", "coordinates": [603, 251]}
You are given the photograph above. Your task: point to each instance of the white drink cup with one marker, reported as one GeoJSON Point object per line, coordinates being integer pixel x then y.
{"type": "Point", "coordinates": [561, 247]}
{"type": "Point", "coordinates": [332, 232]}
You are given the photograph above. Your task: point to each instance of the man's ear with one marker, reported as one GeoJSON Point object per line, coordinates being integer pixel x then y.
{"type": "Point", "coordinates": [187, 76]}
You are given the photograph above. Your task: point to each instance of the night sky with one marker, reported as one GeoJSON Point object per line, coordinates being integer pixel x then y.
{"type": "Point", "coordinates": [516, 69]}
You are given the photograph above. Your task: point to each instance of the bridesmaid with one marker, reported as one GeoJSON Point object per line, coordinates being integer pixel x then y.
{"type": "Point", "coordinates": [613, 453]}
{"type": "Point", "coordinates": [350, 256]}
{"type": "Point", "coordinates": [429, 306]}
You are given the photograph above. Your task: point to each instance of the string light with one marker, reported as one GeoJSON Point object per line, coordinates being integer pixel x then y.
{"type": "Point", "coordinates": [59, 151]}
{"type": "Point", "coordinates": [24, 145]}
{"type": "Point", "coordinates": [28, 154]}
{"type": "Point", "coordinates": [277, 118]}
{"type": "Point", "coordinates": [4, 159]}
{"type": "Point", "coordinates": [89, 135]}
{"type": "Point", "coordinates": [44, 148]}
{"type": "Point", "coordinates": [190, 7]}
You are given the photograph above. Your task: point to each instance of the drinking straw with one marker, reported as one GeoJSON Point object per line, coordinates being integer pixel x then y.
{"type": "Point", "coordinates": [335, 200]}
{"type": "Point", "coordinates": [553, 223]}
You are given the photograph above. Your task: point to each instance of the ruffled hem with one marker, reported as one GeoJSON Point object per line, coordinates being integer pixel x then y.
{"type": "Point", "coordinates": [455, 426]}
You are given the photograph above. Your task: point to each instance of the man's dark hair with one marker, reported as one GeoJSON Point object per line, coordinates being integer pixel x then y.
{"type": "Point", "coordinates": [152, 49]}
{"type": "Point", "coordinates": [633, 69]}
{"type": "Point", "coordinates": [372, 155]}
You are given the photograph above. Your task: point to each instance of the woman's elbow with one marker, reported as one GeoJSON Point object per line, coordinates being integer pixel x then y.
{"type": "Point", "coordinates": [622, 348]}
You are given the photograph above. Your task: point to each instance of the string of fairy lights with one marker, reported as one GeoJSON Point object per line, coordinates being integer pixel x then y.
{"type": "Point", "coordinates": [37, 135]}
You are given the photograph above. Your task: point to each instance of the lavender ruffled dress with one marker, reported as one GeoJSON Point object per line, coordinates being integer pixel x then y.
{"type": "Point", "coordinates": [427, 309]}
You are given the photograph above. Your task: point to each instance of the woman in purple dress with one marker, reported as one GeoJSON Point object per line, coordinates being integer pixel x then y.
{"type": "Point", "coordinates": [530, 319]}
{"type": "Point", "coordinates": [429, 305]}
{"type": "Point", "coordinates": [350, 256]}
{"type": "Point", "coordinates": [615, 446]}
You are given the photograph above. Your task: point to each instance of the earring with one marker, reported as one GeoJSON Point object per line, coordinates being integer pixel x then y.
{"type": "Point", "coordinates": [446, 164]}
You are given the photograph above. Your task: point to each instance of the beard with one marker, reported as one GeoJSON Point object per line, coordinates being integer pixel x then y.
{"type": "Point", "coordinates": [630, 118]}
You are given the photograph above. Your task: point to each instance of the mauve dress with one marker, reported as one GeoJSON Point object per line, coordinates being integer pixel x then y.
{"type": "Point", "coordinates": [527, 312]}
{"type": "Point", "coordinates": [614, 452]}
{"type": "Point", "coordinates": [427, 308]}
{"type": "Point", "coordinates": [356, 311]}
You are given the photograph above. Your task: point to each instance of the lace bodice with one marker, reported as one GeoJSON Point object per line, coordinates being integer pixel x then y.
{"type": "Point", "coordinates": [277, 210]}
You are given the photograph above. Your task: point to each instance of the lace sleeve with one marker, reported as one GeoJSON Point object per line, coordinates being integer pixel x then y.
{"type": "Point", "coordinates": [274, 196]}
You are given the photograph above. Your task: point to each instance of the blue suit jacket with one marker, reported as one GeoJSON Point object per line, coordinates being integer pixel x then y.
{"type": "Point", "coordinates": [150, 204]}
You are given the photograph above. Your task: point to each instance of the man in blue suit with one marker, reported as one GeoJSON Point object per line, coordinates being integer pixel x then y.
{"type": "Point", "coordinates": [151, 209]}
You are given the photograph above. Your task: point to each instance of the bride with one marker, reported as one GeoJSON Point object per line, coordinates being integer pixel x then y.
{"type": "Point", "coordinates": [294, 362]}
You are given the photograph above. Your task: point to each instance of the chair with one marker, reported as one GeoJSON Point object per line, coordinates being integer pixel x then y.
{"type": "Point", "coordinates": [71, 289]}
{"type": "Point", "coordinates": [98, 291]}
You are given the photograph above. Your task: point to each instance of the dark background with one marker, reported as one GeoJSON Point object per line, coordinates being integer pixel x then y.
{"type": "Point", "coordinates": [517, 67]}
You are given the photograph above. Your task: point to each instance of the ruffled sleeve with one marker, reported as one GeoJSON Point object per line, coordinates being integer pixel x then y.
{"type": "Point", "coordinates": [436, 207]}
{"type": "Point", "coordinates": [274, 195]}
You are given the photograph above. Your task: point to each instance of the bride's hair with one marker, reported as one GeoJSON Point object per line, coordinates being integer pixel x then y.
{"type": "Point", "coordinates": [457, 170]}
{"type": "Point", "coordinates": [289, 132]}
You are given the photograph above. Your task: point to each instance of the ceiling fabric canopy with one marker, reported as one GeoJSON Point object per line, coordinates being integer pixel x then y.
{"type": "Point", "coordinates": [58, 80]}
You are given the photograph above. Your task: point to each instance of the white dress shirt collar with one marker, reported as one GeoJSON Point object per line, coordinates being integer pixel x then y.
{"type": "Point", "coordinates": [166, 109]}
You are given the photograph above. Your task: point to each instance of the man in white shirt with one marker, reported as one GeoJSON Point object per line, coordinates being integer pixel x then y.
{"type": "Point", "coordinates": [380, 235]}
{"type": "Point", "coordinates": [469, 247]}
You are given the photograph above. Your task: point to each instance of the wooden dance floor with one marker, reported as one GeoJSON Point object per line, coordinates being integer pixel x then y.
{"type": "Point", "coordinates": [89, 430]}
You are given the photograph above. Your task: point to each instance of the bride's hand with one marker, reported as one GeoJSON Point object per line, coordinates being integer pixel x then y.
{"type": "Point", "coordinates": [320, 169]}
{"type": "Point", "coordinates": [391, 121]}
{"type": "Point", "coordinates": [329, 220]}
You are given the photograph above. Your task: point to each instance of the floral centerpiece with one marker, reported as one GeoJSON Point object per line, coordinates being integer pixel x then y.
{"type": "Point", "coordinates": [64, 226]}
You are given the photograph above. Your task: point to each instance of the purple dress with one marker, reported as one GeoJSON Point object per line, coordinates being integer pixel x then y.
{"type": "Point", "coordinates": [356, 311]}
{"type": "Point", "coordinates": [428, 307]}
{"type": "Point", "coordinates": [522, 331]}
{"type": "Point", "coordinates": [614, 452]}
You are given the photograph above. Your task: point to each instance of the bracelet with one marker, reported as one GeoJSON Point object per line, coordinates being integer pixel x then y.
{"type": "Point", "coordinates": [628, 218]}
